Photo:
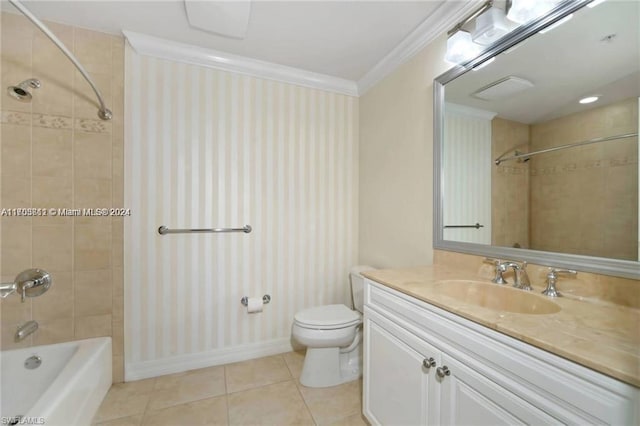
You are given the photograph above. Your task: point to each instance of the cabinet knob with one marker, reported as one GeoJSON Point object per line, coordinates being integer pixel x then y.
{"type": "Point", "coordinates": [443, 371]}
{"type": "Point", "coordinates": [428, 363]}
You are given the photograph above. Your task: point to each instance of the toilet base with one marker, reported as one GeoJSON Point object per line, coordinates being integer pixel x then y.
{"type": "Point", "coordinates": [324, 367]}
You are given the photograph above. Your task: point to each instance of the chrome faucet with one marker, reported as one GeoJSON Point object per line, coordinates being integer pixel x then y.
{"type": "Point", "coordinates": [552, 279]}
{"type": "Point", "coordinates": [25, 330]}
{"type": "Point", "coordinates": [521, 279]}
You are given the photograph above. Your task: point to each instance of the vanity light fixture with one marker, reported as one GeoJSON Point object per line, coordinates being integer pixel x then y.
{"type": "Point", "coordinates": [589, 99]}
{"type": "Point", "coordinates": [460, 45]}
{"type": "Point", "coordinates": [461, 48]}
{"type": "Point", "coordinates": [523, 11]}
{"type": "Point", "coordinates": [557, 24]}
{"type": "Point", "coordinates": [490, 26]}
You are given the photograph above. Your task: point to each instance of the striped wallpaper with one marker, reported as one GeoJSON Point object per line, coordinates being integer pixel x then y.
{"type": "Point", "coordinates": [206, 148]}
{"type": "Point", "coordinates": [467, 167]}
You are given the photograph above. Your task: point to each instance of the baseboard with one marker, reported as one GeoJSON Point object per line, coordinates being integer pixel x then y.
{"type": "Point", "coordinates": [180, 363]}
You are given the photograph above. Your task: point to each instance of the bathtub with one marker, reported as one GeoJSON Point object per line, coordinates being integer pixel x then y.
{"type": "Point", "coordinates": [65, 389]}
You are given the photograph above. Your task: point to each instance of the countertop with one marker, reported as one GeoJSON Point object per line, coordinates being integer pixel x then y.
{"type": "Point", "coordinates": [602, 336]}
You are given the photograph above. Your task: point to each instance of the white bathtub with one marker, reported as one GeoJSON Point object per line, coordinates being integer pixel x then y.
{"type": "Point", "coordinates": [66, 389]}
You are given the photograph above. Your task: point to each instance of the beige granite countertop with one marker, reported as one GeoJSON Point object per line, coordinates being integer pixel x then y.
{"type": "Point", "coordinates": [602, 336]}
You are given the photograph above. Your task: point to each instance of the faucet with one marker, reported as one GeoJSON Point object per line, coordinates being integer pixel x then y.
{"type": "Point", "coordinates": [25, 329]}
{"type": "Point", "coordinates": [552, 279]}
{"type": "Point", "coordinates": [521, 280]}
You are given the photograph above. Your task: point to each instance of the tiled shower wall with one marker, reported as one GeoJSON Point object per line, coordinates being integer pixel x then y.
{"type": "Point", "coordinates": [509, 185]}
{"type": "Point", "coordinates": [585, 200]}
{"type": "Point", "coordinates": [56, 153]}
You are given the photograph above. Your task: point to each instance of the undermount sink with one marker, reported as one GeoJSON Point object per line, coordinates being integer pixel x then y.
{"type": "Point", "coordinates": [497, 297]}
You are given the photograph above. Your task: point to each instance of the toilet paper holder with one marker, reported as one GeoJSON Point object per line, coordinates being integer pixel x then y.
{"type": "Point", "coordinates": [265, 299]}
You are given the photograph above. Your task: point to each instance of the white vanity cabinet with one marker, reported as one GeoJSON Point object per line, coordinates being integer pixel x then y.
{"type": "Point", "coordinates": [426, 366]}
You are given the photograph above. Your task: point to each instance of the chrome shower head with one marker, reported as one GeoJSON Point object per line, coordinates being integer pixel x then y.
{"type": "Point", "coordinates": [21, 92]}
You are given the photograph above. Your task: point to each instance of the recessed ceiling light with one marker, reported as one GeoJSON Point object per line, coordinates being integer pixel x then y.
{"type": "Point", "coordinates": [589, 99]}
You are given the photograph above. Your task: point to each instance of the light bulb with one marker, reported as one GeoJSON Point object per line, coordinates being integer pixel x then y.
{"type": "Point", "coordinates": [460, 48]}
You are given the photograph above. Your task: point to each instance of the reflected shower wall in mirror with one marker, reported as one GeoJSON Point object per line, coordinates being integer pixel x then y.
{"type": "Point", "coordinates": [579, 200]}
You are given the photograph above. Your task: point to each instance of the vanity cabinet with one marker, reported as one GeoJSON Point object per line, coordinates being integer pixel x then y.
{"type": "Point", "coordinates": [426, 366]}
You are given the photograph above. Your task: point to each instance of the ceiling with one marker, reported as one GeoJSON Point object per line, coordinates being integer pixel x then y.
{"type": "Point", "coordinates": [564, 64]}
{"type": "Point", "coordinates": [342, 39]}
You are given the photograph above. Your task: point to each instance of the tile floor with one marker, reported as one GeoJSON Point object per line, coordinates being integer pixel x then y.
{"type": "Point", "coordinates": [264, 391]}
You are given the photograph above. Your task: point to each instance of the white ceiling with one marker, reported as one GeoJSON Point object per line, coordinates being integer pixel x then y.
{"type": "Point", "coordinates": [338, 38]}
{"type": "Point", "coordinates": [565, 64]}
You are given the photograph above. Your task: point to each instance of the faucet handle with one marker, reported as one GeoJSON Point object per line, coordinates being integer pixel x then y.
{"type": "Point", "coordinates": [552, 279]}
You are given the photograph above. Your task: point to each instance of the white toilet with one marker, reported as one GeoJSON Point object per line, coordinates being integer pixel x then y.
{"type": "Point", "coordinates": [332, 335]}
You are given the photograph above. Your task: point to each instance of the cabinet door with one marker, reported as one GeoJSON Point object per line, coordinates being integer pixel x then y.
{"type": "Point", "coordinates": [398, 389]}
{"type": "Point", "coordinates": [469, 398]}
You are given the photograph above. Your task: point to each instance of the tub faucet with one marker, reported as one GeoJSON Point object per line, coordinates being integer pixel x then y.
{"type": "Point", "coordinates": [25, 330]}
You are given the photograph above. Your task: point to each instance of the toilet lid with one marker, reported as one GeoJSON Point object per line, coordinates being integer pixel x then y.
{"type": "Point", "coordinates": [327, 315]}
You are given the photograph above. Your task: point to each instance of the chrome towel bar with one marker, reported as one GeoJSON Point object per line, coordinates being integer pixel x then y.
{"type": "Point", "coordinates": [477, 226]}
{"type": "Point", "coordinates": [164, 230]}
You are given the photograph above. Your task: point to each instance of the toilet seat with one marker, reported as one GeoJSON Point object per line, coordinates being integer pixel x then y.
{"type": "Point", "coordinates": [327, 317]}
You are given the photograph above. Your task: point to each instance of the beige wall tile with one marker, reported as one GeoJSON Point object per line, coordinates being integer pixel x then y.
{"type": "Point", "coordinates": [84, 101]}
{"type": "Point", "coordinates": [117, 369]}
{"type": "Point", "coordinates": [16, 192]}
{"type": "Point", "coordinates": [52, 152]}
{"type": "Point", "coordinates": [52, 247]}
{"type": "Point", "coordinates": [47, 163]}
{"type": "Point", "coordinates": [93, 292]}
{"type": "Point", "coordinates": [117, 330]}
{"type": "Point", "coordinates": [52, 192]}
{"type": "Point", "coordinates": [15, 246]}
{"type": "Point", "coordinates": [93, 50]}
{"type": "Point", "coordinates": [92, 326]}
{"type": "Point", "coordinates": [92, 246]}
{"type": "Point", "coordinates": [57, 302]}
{"type": "Point", "coordinates": [92, 155]}
{"type": "Point", "coordinates": [53, 331]}
{"type": "Point", "coordinates": [92, 193]}
{"type": "Point", "coordinates": [118, 294]}
{"type": "Point", "coordinates": [14, 311]}
{"type": "Point", "coordinates": [16, 151]}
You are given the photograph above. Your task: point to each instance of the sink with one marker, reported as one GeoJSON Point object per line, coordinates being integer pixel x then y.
{"type": "Point", "coordinates": [497, 297]}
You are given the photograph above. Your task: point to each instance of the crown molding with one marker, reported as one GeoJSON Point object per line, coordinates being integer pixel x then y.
{"type": "Point", "coordinates": [468, 111]}
{"type": "Point", "coordinates": [439, 22]}
{"type": "Point", "coordinates": [195, 55]}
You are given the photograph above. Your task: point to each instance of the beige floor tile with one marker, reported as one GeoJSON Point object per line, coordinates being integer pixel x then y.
{"type": "Point", "coordinates": [124, 421]}
{"type": "Point", "coordinates": [294, 361]}
{"type": "Point", "coordinates": [254, 373]}
{"type": "Point", "coordinates": [330, 404]}
{"type": "Point", "coordinates": [125, 400]}
{"type": "Point", "coordinates": [277, 404]}
{"type": "Point", "coordinates": [212, 411]}
{"type": "Point", "coordinates": [355, 420]}
{"type": "Point", "coordinates": [186, 387]}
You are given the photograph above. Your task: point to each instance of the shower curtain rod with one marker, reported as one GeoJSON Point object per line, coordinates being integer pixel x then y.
{"type": "Point", "coordinates": [571, 145]}
{"type": "Point", "coordinates": [103, 112]}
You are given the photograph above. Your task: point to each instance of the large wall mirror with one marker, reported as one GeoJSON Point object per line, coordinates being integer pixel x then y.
{"type": "Point", "coordinates": [536, 143]}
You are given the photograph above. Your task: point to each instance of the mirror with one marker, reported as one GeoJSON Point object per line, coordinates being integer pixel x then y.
{"type": "Point", "coordinates": [526, 167]}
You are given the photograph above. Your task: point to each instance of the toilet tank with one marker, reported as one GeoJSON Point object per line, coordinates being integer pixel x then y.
{"type": "Point", "coordinates": [357, 286]}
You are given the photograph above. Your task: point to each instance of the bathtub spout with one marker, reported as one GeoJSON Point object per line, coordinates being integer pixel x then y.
{"type": "Point", "coordinates": [25, 329]}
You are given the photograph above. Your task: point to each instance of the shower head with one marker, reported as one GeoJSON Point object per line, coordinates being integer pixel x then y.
{"type": "Point", "coordinates": [21, 92]}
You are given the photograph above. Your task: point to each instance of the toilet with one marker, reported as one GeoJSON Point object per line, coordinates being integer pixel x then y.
{"type": "Point", "coordinates": [333, 336]}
